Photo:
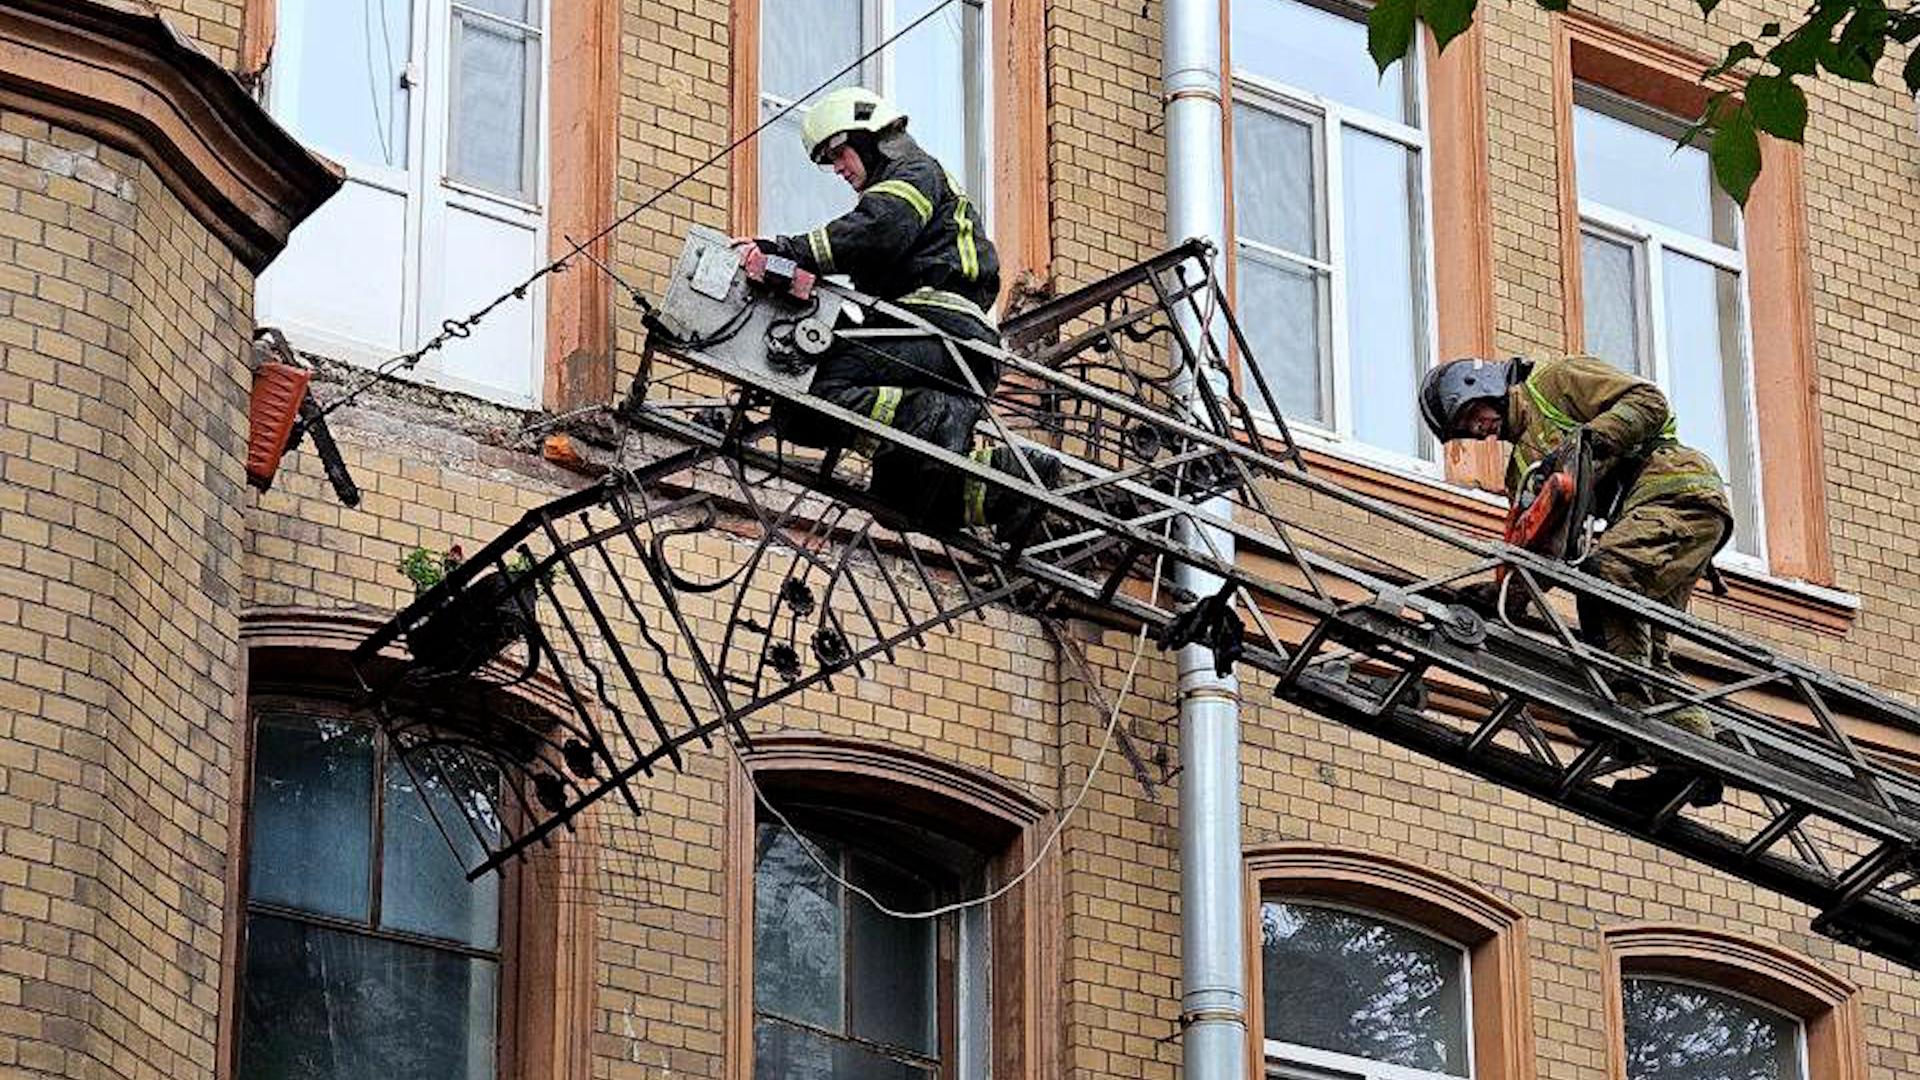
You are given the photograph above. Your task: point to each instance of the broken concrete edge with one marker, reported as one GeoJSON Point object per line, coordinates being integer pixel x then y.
{"type": "Point", "coordinates": [120, 73]}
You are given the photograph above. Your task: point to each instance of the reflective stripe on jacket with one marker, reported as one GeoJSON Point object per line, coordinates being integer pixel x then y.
{"type": "Point", "coordinates": [1625, 410]}
{"type": "Point", "coordinates": [912, 230]}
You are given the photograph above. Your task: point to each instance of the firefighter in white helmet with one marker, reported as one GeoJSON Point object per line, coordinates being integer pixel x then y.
{"type": "Point", "coordinates": [915, 238]}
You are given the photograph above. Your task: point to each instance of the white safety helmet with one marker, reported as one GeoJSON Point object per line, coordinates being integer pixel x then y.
{"type": "Point", "coordinates": [848, 109]}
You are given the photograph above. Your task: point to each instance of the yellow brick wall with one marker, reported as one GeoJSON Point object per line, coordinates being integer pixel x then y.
{"type": "Point", "coordinates": [123, 328]}
{"type": "Point", "coordinates": [214, 25]}
{"type": "Point", "coordinates": [88, 881]}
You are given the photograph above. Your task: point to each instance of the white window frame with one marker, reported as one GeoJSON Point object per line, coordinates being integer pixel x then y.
{"type": "Point", "coordinates": [879, 21]}
{"type": "Point", "coordinates": [1328, 120]}
{"type": "Point", "coordinates": [1293, 1061]}
{"type": "Point", "coordinates": [1650, 241]}
{"type": "Point", "coordinates": [429, 193]}
{"type": "Point", "coordinates": [1799, 1025]}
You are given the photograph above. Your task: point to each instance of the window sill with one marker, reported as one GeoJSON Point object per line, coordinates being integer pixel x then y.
{"type": "Point", "coordinates": [1790, 602]}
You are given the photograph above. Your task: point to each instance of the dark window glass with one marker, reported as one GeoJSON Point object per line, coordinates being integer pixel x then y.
{"type": "Point", "coordinates": [343, 979]}
{"type": "Point", "coordinates": [326, 1004]}
{"type": "Point", "coordinates": [842, 990]}
{"type": "Point", "coordinates": [1355, 984]}
{"type": "Point", "coordinates": [1676, 1031]}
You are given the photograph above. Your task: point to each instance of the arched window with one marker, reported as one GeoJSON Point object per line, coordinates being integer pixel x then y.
{"type": "Point", "coordinates": [825, 985]}
{"type": "Point", "coordinates": [367, 951]}
{"type": "Point", "coordinates": [1370, 967]}
{"type": "Point", "coordinates": [1353, 991]}
{"type": "Point", "coordinates": [1692, 1004]}
{"type": "Point", "coordinates": [357, 946]}
{"type": "Point", "coordinates": [1679, 1030]}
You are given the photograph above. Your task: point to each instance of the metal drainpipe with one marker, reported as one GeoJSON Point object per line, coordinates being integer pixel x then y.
{"type": "Point", "coordinates": [1213, 1001]}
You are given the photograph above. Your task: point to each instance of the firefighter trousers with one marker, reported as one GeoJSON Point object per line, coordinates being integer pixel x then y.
{"type": "Point", "coordinates": [913, 385]}
{"type": "Point", "coordinates": [1659, 549]}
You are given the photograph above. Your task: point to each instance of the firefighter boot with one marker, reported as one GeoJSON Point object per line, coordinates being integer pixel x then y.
{"type": "Point", "coordinates": [1012, 516]}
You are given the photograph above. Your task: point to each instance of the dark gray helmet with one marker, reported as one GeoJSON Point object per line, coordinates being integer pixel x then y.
{"type": "Point", "coordinates": [1448, 389]}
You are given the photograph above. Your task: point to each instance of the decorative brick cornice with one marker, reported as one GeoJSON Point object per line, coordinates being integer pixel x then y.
{"type": "Point", "coordinates": [118, 72]}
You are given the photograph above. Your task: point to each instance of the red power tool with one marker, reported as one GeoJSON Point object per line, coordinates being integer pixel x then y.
{"type": "Point", "coordinates": [1555, 499]}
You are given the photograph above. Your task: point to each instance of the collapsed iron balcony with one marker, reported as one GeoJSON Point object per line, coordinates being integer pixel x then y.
{"type": "Point", "coordinates": [716, 572]}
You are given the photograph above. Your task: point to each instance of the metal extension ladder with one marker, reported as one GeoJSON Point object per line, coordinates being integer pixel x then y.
{"type": "Point", "coordinates": [716, 571]}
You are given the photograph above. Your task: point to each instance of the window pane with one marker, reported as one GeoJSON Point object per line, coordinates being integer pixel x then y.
{"type": "Point", "coordinates": [1317, 51]}
{"type": "Point", "coordinates": [783, 1052]}
{"type": "Point", "coordinates": [803, 42]}
{"type": "Point", "coordinates": [1608, 298]}
{"type": "Point", "coordinates": [1345, 982]}
{"type": "Point", "coordinates": [1274, 188]}
{"type": "Point", "coordinates": [1386, 315]}
{"type": "Point", "coordinates": [1707, 376]}
{"type": "Point", "coordinates": [526, 11]}
{"type": "Point", "coordinates": [1642, 172]}
{"type": "Point", "coordinates": [490, 114]}
{"type": "Point", "coordinates": [975, 989]}
{"type": "Point", "coordinates": [1283, 308]}
{"type": "Point", "coordinates": [312, 815]}
{"type": "Point", "coordinates": [930, 79]}
{"type": "Point", "coordinates": [798, 943]}
{"type": "Point", "coordinates": [795, 194]}
{"type": "Point", "coordinates": [1681, 1032]}
{"type": "Point", "coordinates": [326, 1005]}
{"type": "Point", "coordinates": [423, 885]}
{"type": "Point", "coordinates": [892, 961]}
{"type": "Point", "coordinates": [341, 65]}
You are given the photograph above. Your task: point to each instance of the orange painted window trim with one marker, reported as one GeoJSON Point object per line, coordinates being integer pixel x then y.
{"type": "Point", "coordinates": [1827, 1005]}
{"type": "Point", "coordinates": [1022, 226]}
{"type": "Point", "coordinates": [1459, 203]}
{"type": "Point", "coordinates": [1026, 925]}
{"type": "Point", "coordinates": [583, 150]}
{"type": "Point", "coordinates": [1493, 931]}
{"type": "Point", "coordinates": [1779, 297]}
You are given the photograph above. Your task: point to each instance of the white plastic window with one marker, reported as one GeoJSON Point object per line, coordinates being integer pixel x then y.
{"type": "Point", "coordinates": [1353, 994]}
{"type": "Point", "coordinates": [436, 109]}
{"type": "Point", "coordinates": [937, 73]}
{"type": "Point", "coordinates": [1663, 283]}
{"type": "Point", "coordinates": [1331, 230]}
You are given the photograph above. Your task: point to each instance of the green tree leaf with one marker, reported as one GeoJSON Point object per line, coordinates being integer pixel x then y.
{"type": "Point", "coordinates": [1708, 117]}
{"type": "Point", "coordinates": [1389, 32]}
{"type": "Point", "coordinates": [1911, 73]}
{"type": "Point", "coordinates": [1861, 44]}
{"type": "Point", "coordinates": [1448, 19]}
{"type": "Point", "coordinates": [1555, 5]}
{"type": "Point", "coordinates": [1736, 154]}
{"type": "Point", "coordinates": [1770, 30]}
{"type": "Point", "coordinates": [1741, 51]}
{"type": "Point", "coordinates": [1707, 6]}
{"type": "Point", "coordinates": [1800, 52]}
{"type": "Point", "coordinates": [1779, 107]}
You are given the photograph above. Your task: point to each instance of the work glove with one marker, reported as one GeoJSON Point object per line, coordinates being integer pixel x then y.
{"type": "Point", "coordinates": [1599, 445]}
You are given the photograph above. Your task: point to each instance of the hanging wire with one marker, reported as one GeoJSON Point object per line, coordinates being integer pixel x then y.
{"type": "Point", "coordinates": [455, 329]}
{"type": "Point", "coordinates": [1117, 709]}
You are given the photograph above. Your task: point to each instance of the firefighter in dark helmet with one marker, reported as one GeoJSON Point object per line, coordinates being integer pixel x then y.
{"type": "Point", "coordinates": [1670, 511]}
{"type": "Point", "coordinates": [915, 238]}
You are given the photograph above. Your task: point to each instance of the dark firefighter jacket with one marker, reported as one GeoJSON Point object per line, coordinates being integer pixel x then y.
{"type": "Point", "coordinates": [1627, 412]}
{"type": "Point", "coordinates": [914, 238]}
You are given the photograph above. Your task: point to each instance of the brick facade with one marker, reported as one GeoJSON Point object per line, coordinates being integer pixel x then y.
{"type": "Point", "coordinates": [134, 565]}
